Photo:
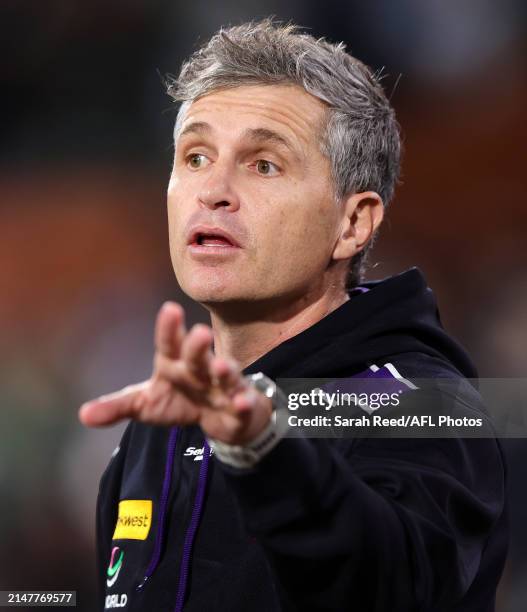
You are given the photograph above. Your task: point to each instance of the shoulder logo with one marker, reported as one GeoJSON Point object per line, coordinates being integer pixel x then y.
{"type": "Point", "coordinates": [134, 519]}
{"type": "Point", "coordinates": [112, 573]}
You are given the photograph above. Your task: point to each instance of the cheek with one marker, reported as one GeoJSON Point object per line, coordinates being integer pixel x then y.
{"type": "Point", "coordinates": [312, 224]}
{"type": "Point", "coordinates": [297, 236]}
{"type": "Point", "coordinates": [173, 224]}
{"type": "Point", "coordinates": [175, 214]}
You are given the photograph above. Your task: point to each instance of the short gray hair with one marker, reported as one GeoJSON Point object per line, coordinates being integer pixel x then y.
{"type": "Point", "coordinates": [361, 135]}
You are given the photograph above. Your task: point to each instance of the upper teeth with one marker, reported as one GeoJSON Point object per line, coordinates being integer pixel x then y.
{"type": "Point", "coordinates": [213, 241]}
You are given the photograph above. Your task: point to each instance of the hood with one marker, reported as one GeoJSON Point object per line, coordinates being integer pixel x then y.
{"type": "Point", "coordinates": [382, 318]}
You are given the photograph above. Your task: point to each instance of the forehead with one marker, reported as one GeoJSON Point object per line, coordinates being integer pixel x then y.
{"type": "Point", "coordinates": [286, 109]}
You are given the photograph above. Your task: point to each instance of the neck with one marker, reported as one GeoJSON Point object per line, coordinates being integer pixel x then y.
{"type": "Point", "coordinates": [246, 338]}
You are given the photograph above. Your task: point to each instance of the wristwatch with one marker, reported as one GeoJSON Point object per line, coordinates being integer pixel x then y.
{"type": "Point", "coordinates": [248, 455]}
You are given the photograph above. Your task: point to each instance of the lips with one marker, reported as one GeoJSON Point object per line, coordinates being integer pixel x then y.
{"type": "Point", "coordinates": [209, 237]}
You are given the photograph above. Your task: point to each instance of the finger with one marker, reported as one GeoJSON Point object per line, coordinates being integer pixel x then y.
{"type": "Point", "coordinates": [245, 401]}
{"type": "Point", "coordinates": [159, 405]}
{"type": "Point", "coordinates": [175, 372]}
{"type": "Point", "coordinates": [170, 330]}
{"type": "Point", "coordinates": [226, 374]}
{"type": "Point", "coordinates": [112, 408]}
{"type": "Point", "coordinates": [196, 352]}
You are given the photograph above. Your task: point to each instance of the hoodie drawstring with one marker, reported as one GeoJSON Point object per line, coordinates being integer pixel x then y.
{"type": "Point", "coordinates": [156, 555]}
{"type": "Point", "coordinates": [192, 528]}
{"type": "Point", "coordinates": [194, 519]}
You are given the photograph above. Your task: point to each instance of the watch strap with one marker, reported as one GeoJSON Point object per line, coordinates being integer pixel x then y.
{"type": "Point", "coordinates": [248, 455]}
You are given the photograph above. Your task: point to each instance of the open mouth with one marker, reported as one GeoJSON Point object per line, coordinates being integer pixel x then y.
{"type": "Point", "coordinates": [212, 240]}
{"type": "Point", "coordinates": [209, 240]}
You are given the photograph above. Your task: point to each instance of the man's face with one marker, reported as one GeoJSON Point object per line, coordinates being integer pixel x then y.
{"type": "Point", "coordinates": [251, 210]}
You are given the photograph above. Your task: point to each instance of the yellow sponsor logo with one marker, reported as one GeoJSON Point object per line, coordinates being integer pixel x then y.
{"type": "Point", "coordinates": [134, 520]}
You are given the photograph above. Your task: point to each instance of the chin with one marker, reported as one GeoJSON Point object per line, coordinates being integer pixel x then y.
{"type": "Point", "coordinates": [209, 287]}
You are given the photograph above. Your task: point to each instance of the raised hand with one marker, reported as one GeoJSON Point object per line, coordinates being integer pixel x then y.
{"type": "Point", "coordinates": [189, 385]}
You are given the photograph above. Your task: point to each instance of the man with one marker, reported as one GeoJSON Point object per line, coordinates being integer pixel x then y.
{"type": "Point", "coordinates": [286, 154]}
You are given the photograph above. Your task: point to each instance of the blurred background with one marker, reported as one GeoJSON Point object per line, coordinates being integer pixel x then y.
{"type": "Point", "coordinates": [85, 155]}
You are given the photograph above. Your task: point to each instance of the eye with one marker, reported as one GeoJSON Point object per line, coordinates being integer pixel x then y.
{"type": "Point", "coordinates": [196, 160]}
{"type": "Point", "coordinates": [266, 168]}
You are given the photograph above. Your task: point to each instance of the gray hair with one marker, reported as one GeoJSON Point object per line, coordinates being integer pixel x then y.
{"type": "Point", "coordinates": [361, 135]}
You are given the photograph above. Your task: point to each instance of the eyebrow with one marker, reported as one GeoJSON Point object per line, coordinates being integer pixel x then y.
{"type": "Point", "coordinates": [197, 127]}
{"type": "Point", "coordinates": [264, 135]}
{"type": "Point", "coordinates": [255, 135]}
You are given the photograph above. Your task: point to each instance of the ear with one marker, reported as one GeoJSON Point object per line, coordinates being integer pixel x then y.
{"type": "Point", "coordinates": [362, 213]}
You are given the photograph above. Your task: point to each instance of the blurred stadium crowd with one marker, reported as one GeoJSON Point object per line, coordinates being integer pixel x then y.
{"type": "Point", "coordinates": [85, 155]}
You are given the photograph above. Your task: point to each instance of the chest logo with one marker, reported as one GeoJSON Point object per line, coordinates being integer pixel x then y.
{"type": "Point", "coordinates": [116, 562]}
{"type": "Point", "coordinates": [134, 519]}
{"type": "Point", "coordinates": [196, 452]}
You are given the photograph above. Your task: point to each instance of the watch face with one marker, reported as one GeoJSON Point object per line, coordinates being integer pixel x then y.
{"type": "Point", "coordinates": [264, 384]}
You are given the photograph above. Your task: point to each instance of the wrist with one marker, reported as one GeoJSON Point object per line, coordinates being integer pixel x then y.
{"type": "Point", "coordinates": [267, 434]}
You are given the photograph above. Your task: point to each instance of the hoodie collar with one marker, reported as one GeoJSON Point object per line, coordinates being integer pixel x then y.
{"type": "Point", "coordinates": [397, 314]}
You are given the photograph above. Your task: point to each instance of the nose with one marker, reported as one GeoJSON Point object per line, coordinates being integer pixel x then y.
{"type": "Point", "coordinates": [217, 190]}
